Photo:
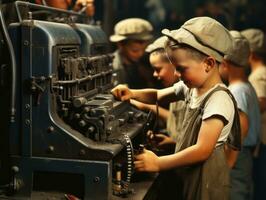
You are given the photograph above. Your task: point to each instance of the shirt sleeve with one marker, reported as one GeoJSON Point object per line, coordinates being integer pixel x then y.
{"type": "Point", "coordinates": [241, 99]}
{"type": "Point", "coordinates": [221, 104]}
{"type": "Point", "coordinates": [260, 86]}
{"type": "Point", "coordinates": [180, 89]}
{"type": "Point", "coordinates": [258, 81]}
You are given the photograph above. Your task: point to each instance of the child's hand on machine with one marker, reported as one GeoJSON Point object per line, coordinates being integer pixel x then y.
{"type": "Point", "coordinates": [122, 92]}
{"type": "Point", "coordinates": [160, 140]}
{"type": "Point", "coordinates": [147, 161]}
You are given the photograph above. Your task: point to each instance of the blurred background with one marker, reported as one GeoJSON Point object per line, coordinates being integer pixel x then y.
{"type": "Point", "coordinates": [233, 14]}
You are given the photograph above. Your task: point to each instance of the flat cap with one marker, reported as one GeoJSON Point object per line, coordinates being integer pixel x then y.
{"type": "Point", "coordinates": [256, 39]}
{"type": "Point", "coordinates": [157, 44]}
{"type": "Point", "coordinates": [204, 34]}
{"type": "Point", "coordinates": [132, 28]}
{"type": "Point", "coordinates": [240, 51]}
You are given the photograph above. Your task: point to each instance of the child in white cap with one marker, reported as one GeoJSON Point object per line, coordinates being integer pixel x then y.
{"type": "Point", "coordinates": [198, 169]}
{"type": "Point", "coordinates": [233, 70]}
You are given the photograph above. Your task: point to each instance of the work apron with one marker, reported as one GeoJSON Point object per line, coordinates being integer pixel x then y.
{"type": "Point", "coordinates": [208, 180]}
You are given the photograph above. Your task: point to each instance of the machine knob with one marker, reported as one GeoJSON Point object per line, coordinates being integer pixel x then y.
{"type": "Point", "coordinates": [91, 129]}
{"type": "Point", "coordinates": [82, 123]}
{"type": "Point", "coordinates": [109, 130]}
{"type": "Point", "coordinates": [130, 116]}
{"type": "Point", "coordinates": [121, 121]}
{"type": "Point", "coordinates": [15, 169]}
{"type": "Point", "coordinates": [86, 109]}
{"type": "Point", "coordinates": [139, 117]}
{"type": "Point", "coordinates": [78, 102]}
{"type": "Point", "coordinates": [77, 116]}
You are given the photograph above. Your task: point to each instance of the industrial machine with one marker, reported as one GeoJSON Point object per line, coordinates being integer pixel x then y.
{"type": "Point", "coordinates": [68, 136]}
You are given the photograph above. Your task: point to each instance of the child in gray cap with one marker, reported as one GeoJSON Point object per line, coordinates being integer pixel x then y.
{"type": "Point", "coordinates": [198, 169]}
{"type": "Point", "coordinates": [233, 71]}
{"type": "Point", "coordinates": [257, 61]}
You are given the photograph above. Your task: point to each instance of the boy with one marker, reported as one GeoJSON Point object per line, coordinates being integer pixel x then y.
{"type": "Point", "coordinates": [200, 168]}
{"type": "Point", "coordinates": [233, 70]}
{"type": "Point", "coordinates": [132, 37]}
{"type": "Point", "coordinates": [163, 71]}
{"type": "Point", "coordinates": [257, 43]}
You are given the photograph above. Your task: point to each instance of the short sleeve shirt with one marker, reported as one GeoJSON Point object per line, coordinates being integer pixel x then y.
{"type": "Point", "coordinates": [219, 104]}
{"type": "Point", "coordinates": [247, 102]}
{"type": "Point", "coordinates": [257, 79]}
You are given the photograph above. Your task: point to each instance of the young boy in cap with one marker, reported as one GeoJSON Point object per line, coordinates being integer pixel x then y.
{"type": "Point", "coordinates": [132, 37]}
{"type": "Point", "coordinates": [164, 72]}
{"type": "Point", "coordinates": [233, 71]}
{"type": "Point", "coordinates": [257, 43]}
{"type": "Point", "coordinates": [200, 169]}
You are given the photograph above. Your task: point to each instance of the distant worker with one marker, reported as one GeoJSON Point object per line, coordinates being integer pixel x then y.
{"type": "Point", "coordinates": [257, 61]}
{"type": "Point", "coordinates": [233, 70]}
{"type": "Point", "coordinates": [132, 37]}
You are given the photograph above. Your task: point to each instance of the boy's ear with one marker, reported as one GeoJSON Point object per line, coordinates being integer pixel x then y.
{"type": "Point", "coordinates": [224, 64]}
{"type": "Point", "coordinates": [209, 63]}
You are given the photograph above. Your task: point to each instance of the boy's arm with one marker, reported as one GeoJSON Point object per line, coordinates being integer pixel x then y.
{"type": "Point", "coordinates": [244, 124]}
{"type": "Point", "coordinates": [231, 154]}
{"type": "Point", "coordinates": [209, 133]}
{"type": "Point", "coordinates": [167, 95]}
{"type": "Point", "coordinates": [262, 104]}
{"type": "Point", "coordinates": [163, 113]}
{"type": "Point", "coordinates": [123, 93]}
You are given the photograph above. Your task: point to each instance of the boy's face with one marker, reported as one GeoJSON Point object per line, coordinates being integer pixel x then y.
{"type": "Point", "coordinates": [192, 71]}
{"type": "Point", "coordinates": [163, 69]}
{"type": "Point", "coordinates": [133, 50]}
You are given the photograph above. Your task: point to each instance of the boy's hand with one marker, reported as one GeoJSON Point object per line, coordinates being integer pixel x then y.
{"type": "Point", "coordinates": [122, 92]}
{"type": "Point", "coordinates": [147, 161]}
{"type": "Point", "coordinates": [163, 140]}
{"type": "Point", "coordinates": [160, 140]}
{"type": "Point", "coordinates": [85, 5]}
{"type": "Point", "coordinates": [84, 2]}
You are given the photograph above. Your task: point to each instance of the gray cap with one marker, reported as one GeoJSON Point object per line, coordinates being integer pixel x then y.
{"type": "Point", "coordinates": [157, 44]}
{"type": "Point", "coordinates": [132, 28]}
{"type": "Point", "coordinates": [204, 34]}
{"type": "Point", "coordinates": [240, 51]}
{"type": "Point", "coordinates": [256, 39]}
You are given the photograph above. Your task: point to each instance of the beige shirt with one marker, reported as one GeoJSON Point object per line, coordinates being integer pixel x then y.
{"type": "Point", "coordinates": [220, 103]}
{"type": "Point", "coordinates": [258, 80]}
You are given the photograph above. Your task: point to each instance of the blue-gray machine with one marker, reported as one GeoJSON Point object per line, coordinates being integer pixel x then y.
{"type": "Point", "coordinates": [70, 136]}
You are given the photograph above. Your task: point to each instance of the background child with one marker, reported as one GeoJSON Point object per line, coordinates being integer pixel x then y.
{"type": "Point", "coordinates": [257, 43]}
{"type": "Point", "coordinates": [233, 70]}
{"type": "Point", "coordinates": [130, 65]}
